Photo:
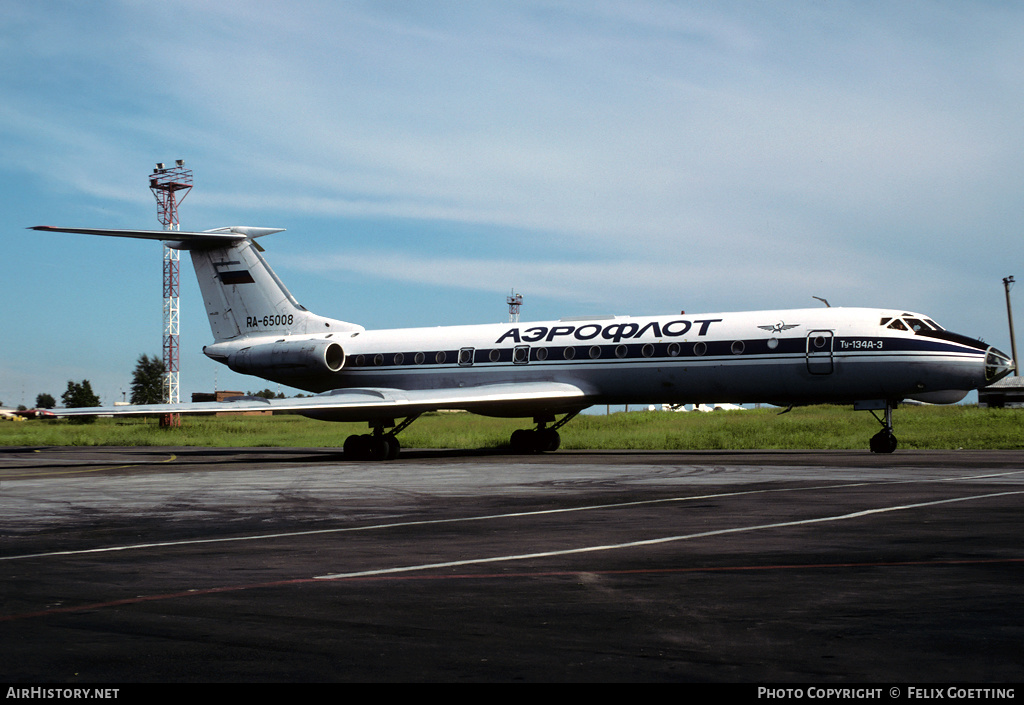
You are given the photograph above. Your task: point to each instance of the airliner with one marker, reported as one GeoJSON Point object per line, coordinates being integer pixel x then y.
{"type": "Point", "coordinates": [550, 371]}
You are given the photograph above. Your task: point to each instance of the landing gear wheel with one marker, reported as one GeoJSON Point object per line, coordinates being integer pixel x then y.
{"type": "Point", "coordinates": [522, 441]}
{"type": "Point", "coordinates": [883, 442]}
{"type": "Point", "coordinates": [379, 447]}
{"type": "Point", "coordinates": [372, 447]}
{"type": "Point", "coordinates": [545, 440]}
{"type": "Point", "coordinates": [394, 447]}
{"type": "Point", "coordinates": [357, 447]}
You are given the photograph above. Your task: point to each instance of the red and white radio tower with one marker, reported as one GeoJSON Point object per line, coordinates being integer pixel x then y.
{"type": "Point", "coordinates": [170, 186]}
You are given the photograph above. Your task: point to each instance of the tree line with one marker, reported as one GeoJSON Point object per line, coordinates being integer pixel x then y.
{"type": "Point", "coordinates": [147, 387]}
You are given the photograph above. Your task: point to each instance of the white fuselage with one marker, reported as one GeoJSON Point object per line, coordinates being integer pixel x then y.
{"type": "Point", "coordinates": [784, 357]}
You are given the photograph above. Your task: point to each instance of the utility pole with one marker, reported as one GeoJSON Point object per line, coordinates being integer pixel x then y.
{"type": "Point", "coordinates": [1007, 283]}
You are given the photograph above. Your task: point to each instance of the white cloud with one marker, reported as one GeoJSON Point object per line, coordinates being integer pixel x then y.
{"type": "Point", "coordinates": [641, 153]}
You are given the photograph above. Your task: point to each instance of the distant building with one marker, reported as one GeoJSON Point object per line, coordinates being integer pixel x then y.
{"type": "Point", "coordinates": [1009, 391]}
{"type": "Point", "coordinates": [221, 396]}
{"type": "Point", "coordinates": [697, 407]}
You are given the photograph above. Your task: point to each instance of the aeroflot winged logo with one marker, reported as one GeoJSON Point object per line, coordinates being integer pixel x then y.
{"type": "Point", "coordinates": [779, 327]}
{"type": "Point", "coordinates": [613, 331]}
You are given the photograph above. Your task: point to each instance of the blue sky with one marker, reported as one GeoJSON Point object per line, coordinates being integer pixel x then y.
{"type": "Point", "coordinates": [426, 158]}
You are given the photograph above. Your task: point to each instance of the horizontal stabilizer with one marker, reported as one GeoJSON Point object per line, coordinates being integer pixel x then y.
{"type": "Point", "coordinates": [219, 236]}
{"type": "Point", "coordinates": [242, 295]}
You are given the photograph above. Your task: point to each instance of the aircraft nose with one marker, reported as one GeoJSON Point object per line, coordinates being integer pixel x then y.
{"type": "Point", "coordinates": [997, 365]}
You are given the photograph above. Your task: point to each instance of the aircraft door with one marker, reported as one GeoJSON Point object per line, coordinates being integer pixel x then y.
{"type": "Point", "coordinates": [819, 352]}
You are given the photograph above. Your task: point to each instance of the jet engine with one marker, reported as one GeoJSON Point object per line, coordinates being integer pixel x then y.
{"type": "Point", "coordinates": [298, 358]}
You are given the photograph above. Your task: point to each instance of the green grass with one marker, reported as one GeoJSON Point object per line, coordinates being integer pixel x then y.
{"type": "Point", "coordinates": [815, 427]}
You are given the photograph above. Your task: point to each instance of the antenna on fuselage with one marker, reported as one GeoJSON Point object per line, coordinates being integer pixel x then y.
{"type": "Point", "coordinates": [824, 301]}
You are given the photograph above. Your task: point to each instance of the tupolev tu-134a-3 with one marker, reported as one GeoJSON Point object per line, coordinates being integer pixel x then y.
{"type": "Point", "coordinates": [871, 358]}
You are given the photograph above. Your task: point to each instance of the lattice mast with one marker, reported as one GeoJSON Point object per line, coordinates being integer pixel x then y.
{"type": "Point", "coordinates": [514, 301]}
{"type": "Point", "coordinates": [170, 186]}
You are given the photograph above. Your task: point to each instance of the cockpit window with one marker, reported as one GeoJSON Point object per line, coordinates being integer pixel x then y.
{"type": "Point", "coordinates": [909, 322]}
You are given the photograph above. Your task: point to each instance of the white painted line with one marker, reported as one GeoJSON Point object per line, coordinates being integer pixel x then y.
{"type": "Point", "coordinates": [393, 525]}
{"type": "Point", "coordinates": [651, 542]}
{"type": "Point", "coordinates": [487, 517]}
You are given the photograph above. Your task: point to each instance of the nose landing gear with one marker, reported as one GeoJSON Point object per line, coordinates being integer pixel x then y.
{"type": "Point", "coordinates": [884, 441]}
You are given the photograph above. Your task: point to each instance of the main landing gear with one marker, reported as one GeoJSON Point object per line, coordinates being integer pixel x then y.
{"type": "Point", "coordinates": [884, 441]}
{"type": "Point", "coordinates": [543, 439]}
{"type": "Point", "coordinates": [377, 445]}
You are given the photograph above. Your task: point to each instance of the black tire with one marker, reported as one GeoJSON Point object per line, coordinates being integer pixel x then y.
{"type": "Point", "coordinates": [358, 447]}
{"type": "Point", "coordinates": [522, 441]}
{"type": "Point", "coordinates": [883, 442]}
{"type": "Point", "coordinates": [547, 441]}
{"type": "Point", "coordinates": [394, 447]}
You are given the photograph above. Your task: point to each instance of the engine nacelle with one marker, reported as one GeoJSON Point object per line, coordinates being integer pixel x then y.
{"type": "Point", "coordinates": [298, 358]}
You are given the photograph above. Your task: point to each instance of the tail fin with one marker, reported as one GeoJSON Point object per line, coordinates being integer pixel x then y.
{"type": "Point", "coordinates": [242, 295]}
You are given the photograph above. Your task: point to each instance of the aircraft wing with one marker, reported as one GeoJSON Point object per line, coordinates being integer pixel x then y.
{"type": "Point", "coordinates": [368, 403]}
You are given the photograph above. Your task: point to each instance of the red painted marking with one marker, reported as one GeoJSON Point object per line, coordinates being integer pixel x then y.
{"type": "Point", "coordinates": [490, 576]}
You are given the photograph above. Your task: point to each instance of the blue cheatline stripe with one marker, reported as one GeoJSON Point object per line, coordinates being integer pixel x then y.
{"type": "Point", "coordinates": [717, 350]}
